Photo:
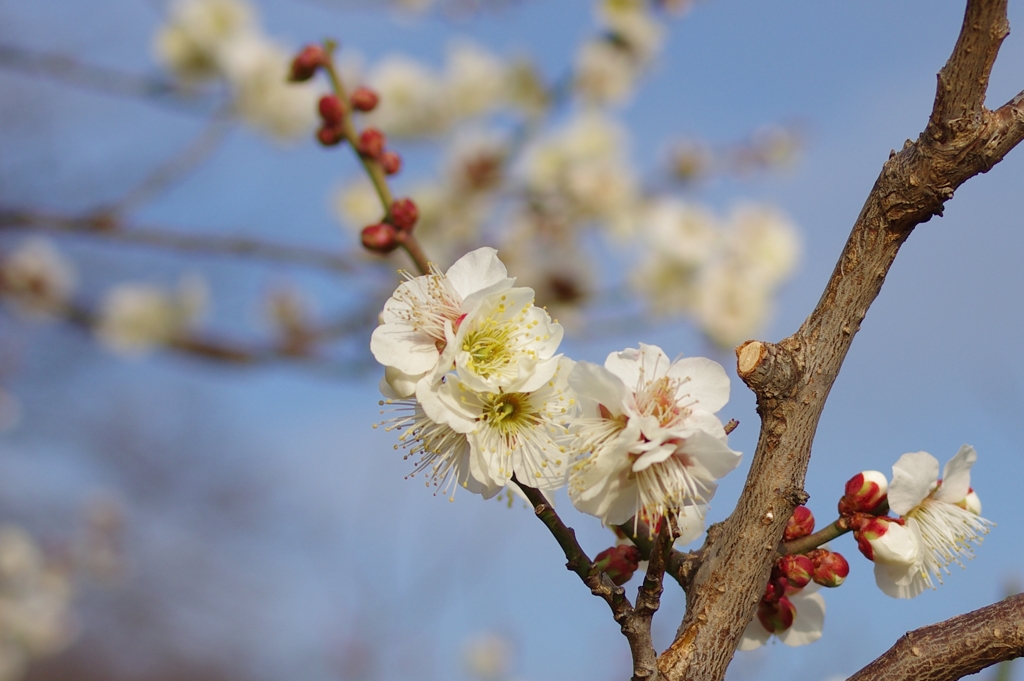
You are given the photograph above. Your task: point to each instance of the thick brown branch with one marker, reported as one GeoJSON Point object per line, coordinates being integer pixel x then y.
{"type": "Point", "coordinates": [792, 379]}
{"type": "Point", "coordinates": [950, 650]}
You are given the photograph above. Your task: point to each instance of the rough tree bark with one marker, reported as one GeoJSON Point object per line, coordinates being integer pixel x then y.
{"type": "Point", "coordinates": [792, 378]}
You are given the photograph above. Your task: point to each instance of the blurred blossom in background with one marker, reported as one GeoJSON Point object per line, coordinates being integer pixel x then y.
{"type": "Point", "coordinates": [189, 483]}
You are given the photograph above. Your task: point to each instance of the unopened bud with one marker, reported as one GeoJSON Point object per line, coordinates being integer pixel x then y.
{"type": "Point", "coordinates": [364, 99]}
{"type": "Point", "coordinates": [371, 143]}
{"type": "Point", "coordinates": [380, 238]}
{"type": "Point", "coordinates": [390, 162]}
{"type": "Point", "coordinates": [618, 562]}
{"type": "Point", "coordinates": [972, 502]}
{"type": "Point", "coordinates": [830, 568]}
{"type": "Point", "coordinates": [865, 493]}
{"type": "Point", "coordinates": [800, 524]}
{"type": "Point", "coordinates": [798, 570]}
{"type": "Point", "coordinates": [404, 214]}
{"type": "Point", "coordinates": [332, 111]}
{"type": "Point", "coordinates": [883, 539]}
{"type": "Point", "coordinates": [776, 616]}
{"type": "Point", "coordinates": [306, 63]}
{"type": "Point", "coordinates": [330, 135]}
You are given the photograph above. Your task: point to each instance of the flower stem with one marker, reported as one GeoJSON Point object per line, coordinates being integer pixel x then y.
{"type": "Point", "coordinates": [813, 541]}
{"type": "Point", "coordinates": [373, 169]}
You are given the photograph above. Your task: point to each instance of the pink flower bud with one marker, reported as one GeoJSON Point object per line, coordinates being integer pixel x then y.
{"type": "Point", "coordinates": [380, 238]}
{"type": "Point", "coordinates": [390, 162]}
{"type": "Point", "coordinates": [800, 524]}
{"type": "Point", "coordinates": [798, 570]}
{"type": "Point", "coordinates": [364, 99]}
{"type": "Point", "coordinates": [332, 111]}
{"type": "Point", "coordinates": [830, 568]}
{"type": "Point", "coordinates": [404, 214]}
{"type": "Point", "coordinates": [865, 493]}
{"type": "Point", "coordinates": [306, 63]}
{"type": "Point", "coordinates": [776, 617]}
{"type": "Point", "coordinates": [329, 135]}
{"type": "Point", "coordinates": [618, 562]}
{"type": "Point", "coordinates": [371, 143]}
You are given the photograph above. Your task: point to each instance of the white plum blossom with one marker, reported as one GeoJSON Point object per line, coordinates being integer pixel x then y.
{"type": "Point", "coordinates": [35, 604]}
{"type": "Point", "coordinates": [445, 456]}
{"type": "Point", "coordinates": [257, 70]}
{"type": "Point", "coordinates": [655, 445]}
{"type": "Point", "coordinates": [37, 278]}
{"type": "Point", "coordinates": [135, 317]}
{"type": "Point", "coordinates": [192, 42]}
{"type": "Point", "coordinates": [604, 72]}
{"type": "Point", "coordinates": [503, 343]}
{"type": "Point", "coordinates": [633, 24]}
{"type": "Point", "coordinates": [475, 80]}
{"type": "Point", "coordinates": [522, 432]}
{"type": "Point", "coordinates": [412, 98]}
{"type": "Point", "coordinates": [419, 321]}
{"type": "Point", "coordinates": [807, 625]}
{"type": "Point", "coordinates": [938, 516]}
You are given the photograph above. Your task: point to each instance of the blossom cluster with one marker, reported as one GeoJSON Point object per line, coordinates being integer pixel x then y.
{"type": "Point", "coordinates": [938, 520]}
{"type": "Point", "coordinates": [483, 398]}
{"type": "Point", "coordinates": [35, 602]}
{"type": "Point", "coordinates": [206, 41]}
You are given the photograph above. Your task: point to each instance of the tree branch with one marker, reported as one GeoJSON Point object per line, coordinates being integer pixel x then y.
{"type": "Point", "coordinates": [107, 226]}
{"type": "Point", "coordinates": [792, 379]}
{"type": "Point", "coordinates": [950, 650]}
{"type": "Point", "coordinates": [635, 626]}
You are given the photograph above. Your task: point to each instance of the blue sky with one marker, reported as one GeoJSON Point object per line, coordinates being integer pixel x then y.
{"type": "Point", "coordinates": [338, 547]}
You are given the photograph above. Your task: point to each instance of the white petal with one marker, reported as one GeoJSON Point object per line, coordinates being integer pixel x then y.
{"type": "Point", "coordinates": [754, 636]}
{"type": "Point", "coordinates": [402, 347]}
{"type": "Point", "coordinates": [653, 456]}
{"type": "Point", "coordinates": [712, 453]}
{"type": "Point", "coordinates": [476, 270]}
{"type": "Point", "coordinates": [398, 383]}
{"type": "Point", "coordinates": [898, 546]}
{"type": "Point", "coordinates": [707, 382]}
{"type": "Point", "coordinates": [625, 365]}
{"type": "Point", "coordinates": [899, 581]}
{"type": "Point", "coordinates": [690, 523]}
{"type": "Point", "coordinates": [442, 403]}
{"type": "Point", "coordinates": [595, 384]}
{"type": "Point", "coordinates": [809, 621]}
{"type": "Point", "coordinates": [956, 476]}
{"type": "Point", "coordinates": [913, 477]}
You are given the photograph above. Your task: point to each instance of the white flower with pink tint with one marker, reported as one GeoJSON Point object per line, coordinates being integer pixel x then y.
{"type": "Point", "coordinates": [652, 444]}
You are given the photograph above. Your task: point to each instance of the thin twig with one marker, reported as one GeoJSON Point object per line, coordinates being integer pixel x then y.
{"type": "Point", "coordinates": [106, 226]}
{"type": "Point", "coordinates": [812, 541]}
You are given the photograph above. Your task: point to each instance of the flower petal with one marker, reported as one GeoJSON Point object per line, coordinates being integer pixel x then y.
{"type": "Point", "coordinates": [704, 380]}
{"type": "Point", "coordinates": [595, 385]}
{"type": "Point", "coordinates": [713, 454]}
{"type": "Point", "coordinates": [754, 636]}
{"type": "Point", "coordinates": [913, 477]}
{"type": "Point", "coordinates": [809, 621]}
{"type": "Point", "coordinates": [956, 476]}
{"type": "Point", "coordinates": [477, 270]}
{"type": "Point", "coordinates": [899, 581]}
{"type": "Point", "coordinates": [402, 347]}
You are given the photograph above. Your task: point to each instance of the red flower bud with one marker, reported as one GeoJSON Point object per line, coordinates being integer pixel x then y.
{"type": "Point", "coordinates": [371, 143]}
{"type": "Point", "coordinates": [306, 63]}
{"type": "Point", "coordinates": [865, 493]}
{"type": "Point", "coordinates": [776, 617]}
{"type": "Point", "coordinates": [404, 214]}
{"type": "Point", "coordinates": [332, 111]}
{"type": "Point", "coordinates": [390, 162]}
{"type": "Point", "coordinates": [800, 524]}
{"type": "Point", "coordinates": [618, 562]}
{"type": "Point", "coordinates": [380, 238]}
{"type": "Point", "coordinates": [364, 99]}
{"type": "Point", "coordinates": [330, 135]}
{"type": "Point", "coordinates": [798, 570]}
{"type": "Point", "coordinates": [830, 568]}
